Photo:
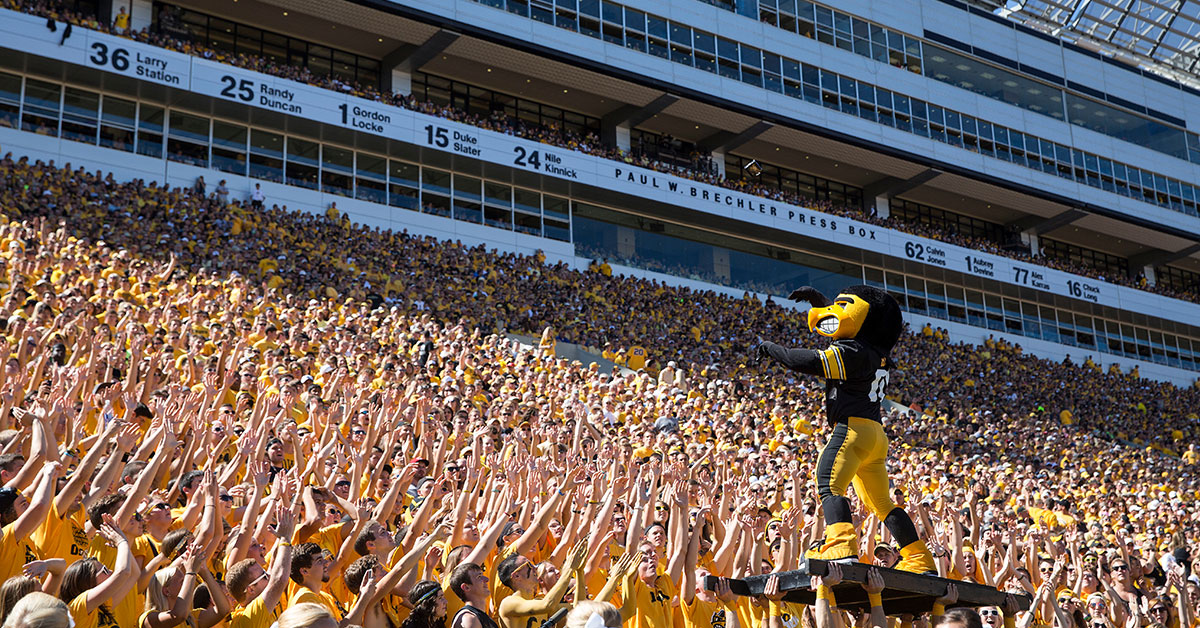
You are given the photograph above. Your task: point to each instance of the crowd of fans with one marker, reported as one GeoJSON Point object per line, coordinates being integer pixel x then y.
{"type": "Point", "coordinates": [216, 413]}
{"type": "Point", "coordinates": [666, 158]}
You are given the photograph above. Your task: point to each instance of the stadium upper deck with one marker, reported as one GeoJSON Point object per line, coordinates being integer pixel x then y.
{"type": "Point", "coordinates": [861, 107]}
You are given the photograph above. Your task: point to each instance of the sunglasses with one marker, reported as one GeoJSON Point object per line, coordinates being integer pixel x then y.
{"type": "Point", "coordinates": [1120, 567]}
{"type": "Point", "coordinates": [989, 613]}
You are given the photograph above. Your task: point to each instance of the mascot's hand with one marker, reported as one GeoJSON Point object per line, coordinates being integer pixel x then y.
{"type": "Point", "coordinates": [756, 354]}
{"type": "Point", "coordinates": [810, 295]}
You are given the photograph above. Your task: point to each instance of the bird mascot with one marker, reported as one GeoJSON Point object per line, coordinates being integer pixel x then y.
{"type": "Point", "coordinates": [865, 323]}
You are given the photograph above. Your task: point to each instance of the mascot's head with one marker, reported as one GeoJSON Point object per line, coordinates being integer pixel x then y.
{"type": "Point", "coordinates": [865, 313]}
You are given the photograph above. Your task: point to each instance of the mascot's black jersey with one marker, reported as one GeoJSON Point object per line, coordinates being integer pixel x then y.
{"type": "Point", "coordinates": [856, 377]}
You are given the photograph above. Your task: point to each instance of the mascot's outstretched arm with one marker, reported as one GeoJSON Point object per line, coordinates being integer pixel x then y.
{"type": "Point", "coordinates": [806, 361]}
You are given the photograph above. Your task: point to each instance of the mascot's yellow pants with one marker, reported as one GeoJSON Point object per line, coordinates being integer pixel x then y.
{"type": "Point", "coordinates": [856, 452]}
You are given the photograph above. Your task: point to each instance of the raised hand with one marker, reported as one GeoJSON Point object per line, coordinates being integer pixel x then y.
{"type": "Point", "coordinates": [725, 593]}
{"type": "Point", "coordinates": [111, 532]}
{"type": "Point", "coordinates": [625, 564]}
{"type": "Point", "coordinates": [832, 577]}
{"type": "Point", "coordinates": [575, 557]}
{"type": "Point", "coordinates": [36, 568]}
{"type": "Point", "coordinates": [285, 524]}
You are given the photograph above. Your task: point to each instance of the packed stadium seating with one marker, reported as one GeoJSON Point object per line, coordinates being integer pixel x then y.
{"type": "Point", "coordinates": [274, 347]}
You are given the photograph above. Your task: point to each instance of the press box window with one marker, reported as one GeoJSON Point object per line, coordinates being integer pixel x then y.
{"type": "Point", "coordinates": [150, 130]}
{"type": "Point", "coordinates": [42, 106]}
{"type": "Point", "coordinates": [229, 147]}
{"type": "Point", "coordinates": [266, 156]}
{"type": "Point", "coordinates": [118, 118]}
{"type": "Point", "coordinates": [187, 139]}
{"type": "Point", "coordinates": [404, 184]}
{"type": "Point", "coordinates": [81, 113]}
{"type": "Point", "coordinates": [303, 163]}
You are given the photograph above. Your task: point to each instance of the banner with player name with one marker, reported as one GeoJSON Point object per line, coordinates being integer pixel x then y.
{"type": "Point", "coordinates": [198, 75]}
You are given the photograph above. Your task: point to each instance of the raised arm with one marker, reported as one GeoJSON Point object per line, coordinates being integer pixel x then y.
{"type": "Point", "coordinates": [806, 361]}
{"type": "Point", "coordinates": [516, 606]}
{"type": "Point", "coordinates": [39, 503]}
{"type": "Point", "coordinates": [281, 565]}
{"type": "Point", "coordinates": [123, 576]}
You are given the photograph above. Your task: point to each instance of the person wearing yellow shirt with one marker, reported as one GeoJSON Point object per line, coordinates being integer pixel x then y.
{"type": "Point", "coordinates": [699, 607]}
{"type": "Point", "coordinates": [636, 359]}
{"type": "Point", "coordinates": [91, 590]}
{"type": "Point", "coordinates": [20, 516]}
{"type": "Point", "coordinates": [310, 570]}
{"type": "Point", "coordinates": [259, 592]}
{"type": "Point", "coordinates": [652, 593]}
{"type": "Point", "coordinates": [1191, 455]}
{"type": "Point", "coordinates": [702, 608]}
{"type": "Point", "coordinates": [522, 608]}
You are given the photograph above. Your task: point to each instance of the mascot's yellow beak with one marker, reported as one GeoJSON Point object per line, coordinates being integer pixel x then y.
{"type": "Point", "coordinates": [842, 319]}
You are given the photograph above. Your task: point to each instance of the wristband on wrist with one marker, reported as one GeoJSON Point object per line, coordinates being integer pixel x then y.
{"type": "Point", "coordinates": [826, 593]}
{"type": "Point", "coordinates": [876, 599]}
{"type": "Point", "coordinates": [938, 610]}
{"type": "Point", "coordinates": [284, 544]}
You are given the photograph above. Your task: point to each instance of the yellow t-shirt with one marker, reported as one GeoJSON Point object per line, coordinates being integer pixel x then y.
{"type": "Point", "coordinates": [653, 604]}
{"type": "Point", "coordinates": [254, 615]}
{"type": "Point", "coordinates": [102, 617]}
{"type": "Point", "coordinates": [61, 537]}
{"type": "Point", "coordinates": [14, 553]}
{"type": "Point", "coordinates": [304, 594]}
{"type": "Point", "coordinates": [701, 614]}
{"type": "Point", "coordinates": [637, 357]}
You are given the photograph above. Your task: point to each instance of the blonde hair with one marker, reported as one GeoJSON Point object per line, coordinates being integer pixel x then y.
{"type": "Point", "coordinates": [13, 590]}
{"type": "Point", "coordinates": [156, 598]}
{"type": "Point", "coordinates": [306, 615]}
{"type": "Point", "coordinates": [39, 610]}
{"type": "Point", "coordinates": [584, 610]}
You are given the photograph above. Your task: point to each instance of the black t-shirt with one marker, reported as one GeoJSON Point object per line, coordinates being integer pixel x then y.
{"type": "Point", "coordinates": [856, 377]}
{"type": "Point", "coordinates": [480, 616]}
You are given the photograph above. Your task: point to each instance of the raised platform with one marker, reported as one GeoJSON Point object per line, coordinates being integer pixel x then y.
{"type": "Point", "coordinates": [904, 592]}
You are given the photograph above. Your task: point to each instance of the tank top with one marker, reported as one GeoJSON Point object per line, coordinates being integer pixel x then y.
{"type": "Point", "coordinates": [480, 616]}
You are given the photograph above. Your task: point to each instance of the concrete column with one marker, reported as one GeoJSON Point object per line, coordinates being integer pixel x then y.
{"type": "Point", "coordinates": [622, 136]}
{"type": "Point", "coordinates": [626, 242]}
{"type": "Point", "coordinates": [398, 81]}
{"type": "Point", "coordinates": [141, 12]}
{"type": "Point", "coordinates": [718, 157]}
{"type": "Point", "coordinates": [883, 206]}
{"type": "Point", "coordinates": [721, 265]}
